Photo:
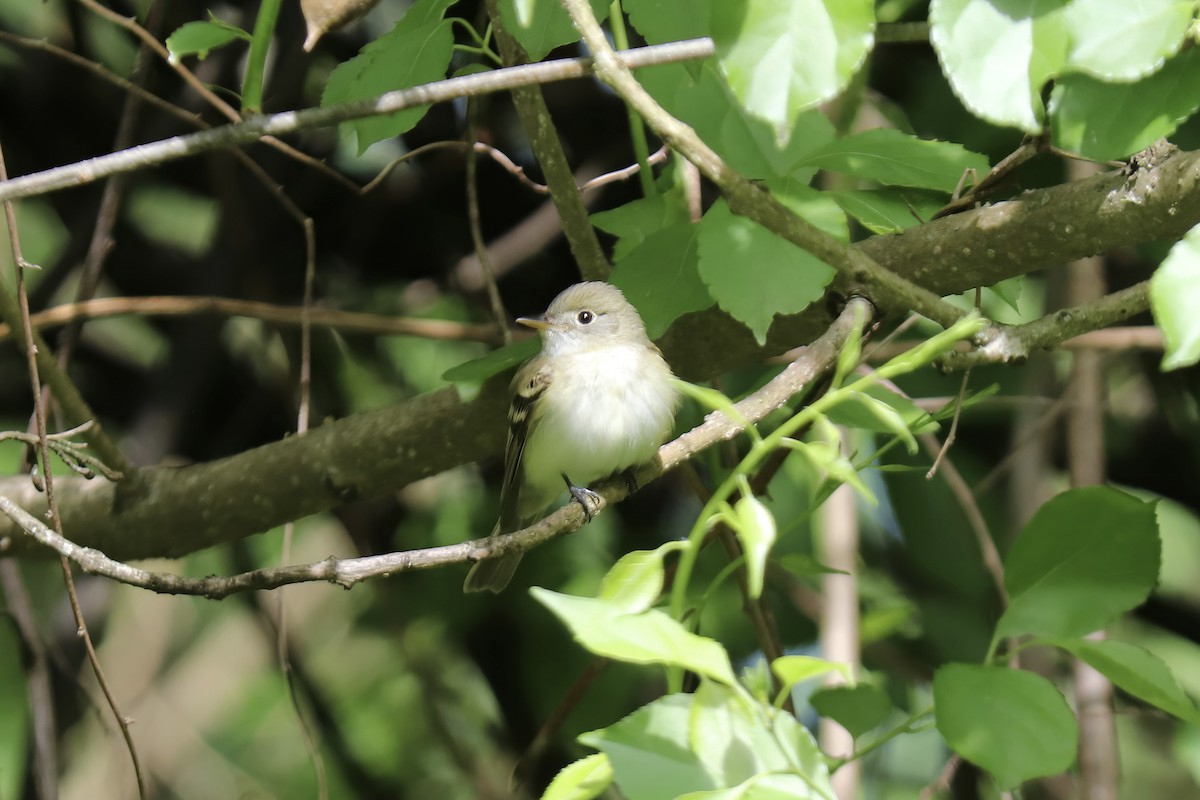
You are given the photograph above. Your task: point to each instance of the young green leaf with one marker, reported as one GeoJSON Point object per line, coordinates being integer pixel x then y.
{"type": "Point", "coordinates": [1174, 298]}
{"type": "Point", "coordinates": [660, 277]}
{"type": "Point", "coordinates": [858, 709]}
{"type": "Point", "coordinates": [998, 57]}
{"type": "Point", "coordinates": [649, 637]}
{"type": "Point", "coordinates": [755, 528]}
{"type": "Point", "coordinates": [898, 159]}
{"type": "Point", "coordinates": [542, 25]}
{"type": "Point", "coordinates": [638, 219]}
{"type": "Point", "coordinates": [1111, 120]}
{"type": "Point", "coordinates": [416, 51]}
{"type": "Point", "coordinates": [587, 778]}
{"type": "Point", "coordinates": [660, 21]}
{"type": "Point", "coordinates": [754, 274]}
{"type": "Point", "coordinates": [784, 56]}
{"type": "Point", "coordinates": [649, 751]}
{"type": "Point", "coordinates": [1014, 724]}
{"type": "Point", "coordinates": [480, 369]}
{"type": "Point", "coordinates": [200, 38]}
{"type": "Point", "coordinates": [1085, 557]}
{"type": "Point", "coordinates": [890, 210]}
{"type": "Point", "coordinates": [1125, 41]}
{"type": "Point", "coordinates": [793, 669]}
{"type": "Point", "coordinates": [636, 580]}
{"type": "Point", "coordinates": [1135, 670]}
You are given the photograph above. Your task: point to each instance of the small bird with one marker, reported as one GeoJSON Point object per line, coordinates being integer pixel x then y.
{"type": "Point", "coordinates": [598, 399]}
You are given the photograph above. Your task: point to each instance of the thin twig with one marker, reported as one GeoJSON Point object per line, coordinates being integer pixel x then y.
{"type": "Point", "coordinates": [255, 127]}
{"type": "Point", "coordinates": [953, 432]}
{"type": "Point", "coordinates": [47, 478]}
{"type": "Point", "coordinates": [499, 313]}
{"type": "Point", "coordinates": [716, 427]}
{"type": "Point", "coordinates": [175, 306]}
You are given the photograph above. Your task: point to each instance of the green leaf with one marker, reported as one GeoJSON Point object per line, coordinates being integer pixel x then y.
{"type": "Point", "coordinates": [829, 458]}
{"type": "Point", "coordinates": [890, 210]}
{"type": "Point", "coordinates": [738, 742]}
{"type": "Point", "coordinates": [704, 101]}
{"type": "Point", "coordinates": [898, 159]}
{"type": "Point", "coordinates": [1111, 120]}
{"type": "Point", "coordinates": [805, 566]}
{"type": "Point", "coordinates": [1174, 298]}
{"type": "Point", "coordinates": [660, 21]}
{"type": "Point", "coordinates": [771, 786]}
{"type": "Point", "coordinates": [795, 669]}
{"type": "Point", "coordinates": [883, 411]}
{"type": "Point", "coordinates": [649, 637]}
{"type": "Point", "coordinates": [998, 56]}
{"type": "Point", "coordinates": [1125, 41]}
{"type": "Point", "coordinates": [1085, 557]}
{"type": "Point", "coordinates": [542, 25]}
{"type": "Point", "coordinates": [755, 529]}
{"type": "Point", "coordinates": [858, 709]}
{"type": "Point", "coordinates": [1135, 670]}
{"type": "Point", "coordinates": [480, 369]}
{"type": "Point", "coordinates": [754, 274]}
{"type": "Point", "coordinates": [660, 277]}
{"type": "Point", "coordinates": [649, 751]}
{"type": "Point", "coordinates": [1014, 724]}
{"type": "Point", "coordinates": [584, 779]}
{"type": "Point", "coordinates": [635, 582]}
{"type": "Point", "coordinates": [784, 56]}
{"type": "Point", "coordinates": [416, 51]}
{"type": "Point", "coordinates": [637, 219]}
{"type": "Point", "coordinates": [202, 37]}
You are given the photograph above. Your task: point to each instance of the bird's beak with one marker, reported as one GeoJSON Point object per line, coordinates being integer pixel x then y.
{"type": "Point", "coordinates": [537, 323]}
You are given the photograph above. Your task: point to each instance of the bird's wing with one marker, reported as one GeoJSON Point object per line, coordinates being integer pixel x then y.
{"type": "Point", "coordinates": [528, 385]}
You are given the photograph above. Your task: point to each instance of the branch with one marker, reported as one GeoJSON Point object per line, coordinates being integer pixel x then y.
{"type": "Point", "coordinates": [1016, 343]}
{"type": "Point", "coordinates": [256, 127]}
{"type": "Point", "coordinates": [173, 306]}
{"type": "Point", "coordinates": [814, 361]}
{"type": "Point", "coordinates": [856, 268]}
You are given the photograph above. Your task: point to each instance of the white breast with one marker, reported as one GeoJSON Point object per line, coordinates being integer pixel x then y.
{"type": "Point", "coordinates": [597, 418]}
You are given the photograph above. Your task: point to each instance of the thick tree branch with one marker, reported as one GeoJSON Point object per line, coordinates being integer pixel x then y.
{"type": "Point", "coordinates": [814, 361]}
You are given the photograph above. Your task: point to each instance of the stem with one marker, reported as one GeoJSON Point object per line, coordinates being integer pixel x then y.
{"type": "Point", "coordinates": [264, 30]}
{"type": "Point", "coordinates": [637, 131]}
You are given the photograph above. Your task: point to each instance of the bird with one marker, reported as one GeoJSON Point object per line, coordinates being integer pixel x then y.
{"type": "Point", "coordinates": [597, 400]}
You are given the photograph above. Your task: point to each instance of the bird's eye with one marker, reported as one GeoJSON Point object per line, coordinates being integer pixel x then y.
{"type": "Point", "coordinates": [585, 317]}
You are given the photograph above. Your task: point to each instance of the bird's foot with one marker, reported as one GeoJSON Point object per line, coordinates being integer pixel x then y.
{"type": "Point", "coordinates": [588, 500]}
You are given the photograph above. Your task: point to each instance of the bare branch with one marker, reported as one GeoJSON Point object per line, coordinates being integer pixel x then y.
{"type": "Point", "coordinates": [256, 127]}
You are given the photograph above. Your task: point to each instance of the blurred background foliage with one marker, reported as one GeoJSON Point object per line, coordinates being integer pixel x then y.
{"type": "Point", "coordinates": [416, 691]}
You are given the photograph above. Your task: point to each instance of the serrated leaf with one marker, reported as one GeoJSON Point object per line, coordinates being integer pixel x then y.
{"type": "Point", "coordinates": [1136, 671]}
{"type": "Point", "coordinates": [755, 528]}
{"type": "Point", "coordinates": [637, 219]}
{"type": "Point", "coordinates": [585, 779]}
{"type": "Point", "coordinates": [999, 56]}
{"type": "Point", "coordinates": [1086, 556]}
{"type": "Point", "coordinates": [754, 274]}
{"type": "Point", "coordinates": [898, 159]}
{"type": "Point", "coordinates": [635, 582]}
{"type": "Point", "coordinates": [858, 709]}
{"type": "Point", "coordinates": [1174, 298]}
{"type": "Point", "coordinates": [416, 51]}
{"type": "Point", "coordinates": [889, 210]}
{"type": "Point", "coordinates": [1111, 120]}
{"type": "Point", "coordinates": [660, 277]}
{"type": "Point", "coordinates": [660, 21]}
{"type": "Point", "coordinates": [542, 25]}
{"type": "Point", "coordinates": [200, 38]}
{"type": "Point", "coordinates": [649, 637]}
{"type": "Point", "coordinates": [1125, 41]}
{"type": "Point", "coordinates": [649, 751]}
{"type": "Point", "coordinates": [704, 101]}
{"type": "Point", "coordinates": [784, 56]}
{"type": "Point", "coordinates": [1014, 724]}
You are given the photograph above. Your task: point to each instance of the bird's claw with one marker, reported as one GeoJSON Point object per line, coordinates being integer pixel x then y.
{"type": "Point", "coordinates": [587, 499]}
